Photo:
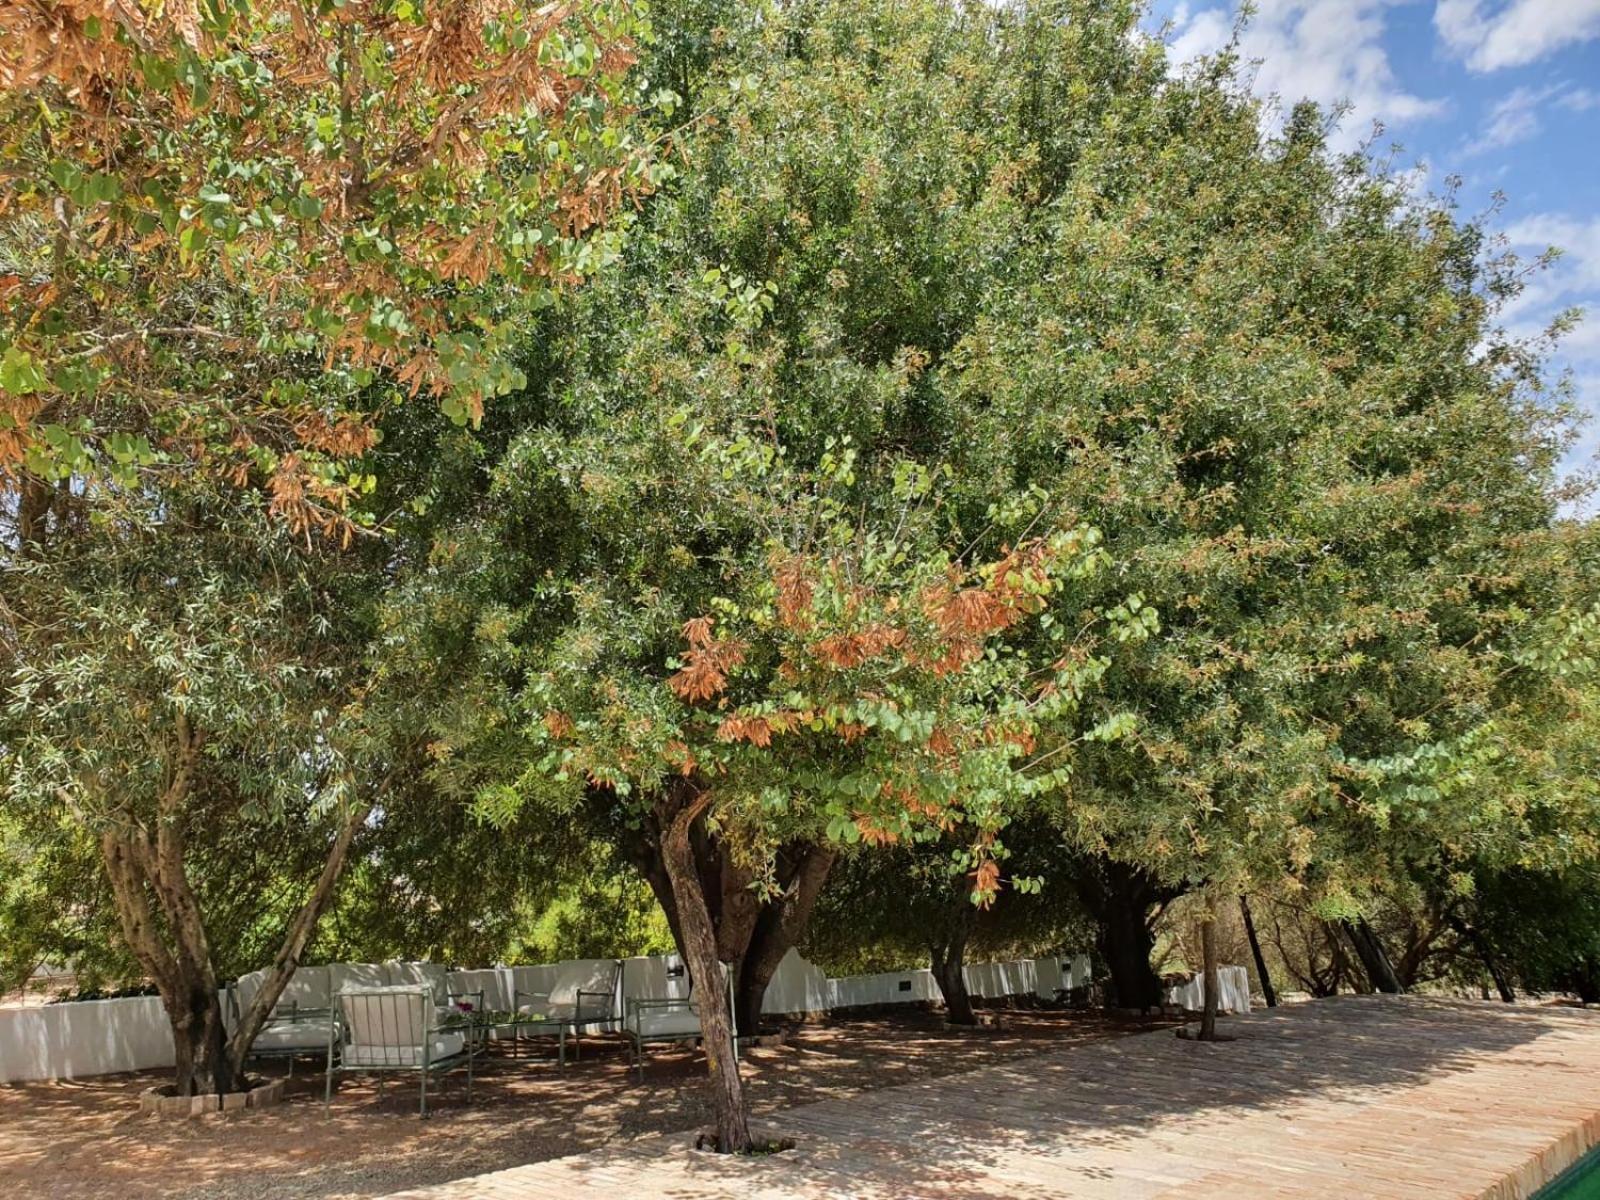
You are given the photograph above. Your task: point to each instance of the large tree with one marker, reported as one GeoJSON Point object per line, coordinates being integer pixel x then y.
{"type": "Point", "coordinates": [177, 678]}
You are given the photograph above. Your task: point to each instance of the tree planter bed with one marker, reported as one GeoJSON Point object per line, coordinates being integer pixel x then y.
{"type": "Point", "coordinates": [159, 1102]}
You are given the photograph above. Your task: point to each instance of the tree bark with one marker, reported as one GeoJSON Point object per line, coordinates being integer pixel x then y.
{"type": "Point", "coordinates": [1374, 960]}
{"type": "Point", "coordinates": [685, 805]}
{"type": "Point", "coordinates": [1486, 956]}
{"type": "Point", "coordinates": [287, 960]}
{"type": "Point", "coordinates": [948, 959]}
{"type": "Point", "coordinates": [176, 952]}
{"type": "Point", "coordinates": [1255, 952]}
{"type": "Point", "coordinates": [779, 925]}
{"type": "Point", "coordinates": [1121, 899]}
{"type": "Point", "coordinates": [753, 938]}
{"type": "Point", "coordinates": [1213, 983]}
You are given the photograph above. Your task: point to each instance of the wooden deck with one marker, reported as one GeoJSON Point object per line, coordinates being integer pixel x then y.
{"type": "Point", "coordinates": [1354, 1097]}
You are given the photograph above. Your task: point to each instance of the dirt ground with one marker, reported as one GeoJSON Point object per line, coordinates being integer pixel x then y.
{"type": "Point", "coordinates": [72, 1140]}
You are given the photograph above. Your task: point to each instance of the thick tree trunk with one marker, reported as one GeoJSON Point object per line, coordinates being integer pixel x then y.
{"type": "Point", "coordinates": [1213, 982]}
{"type": "Point", "coordinates": [1255, 952]}
{"type": "Point", "coordinates": [779, 925]}
{"type": "Point", "coordinates": [176, 953]}
{"type": "Point", "coordinates": [753, 938]}
{"type": "Point", "coordinates": [699, 943]}
{"type": "Point", "coordinates": [1121, 898]}
{"type": "Point", "coordinates": [186, 983]}
{"type": "Point", "coordinates": [948, 952]}
{"type": "Point", "coordinates": [1374, 960]}
{"type": "Point", "coordinates": [948, 972]}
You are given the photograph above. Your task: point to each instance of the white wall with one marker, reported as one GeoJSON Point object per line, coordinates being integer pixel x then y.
{"type": "Point", "coordinates": [796, 987]}
{"type": "Point", "coordinates": [96, 1037]}
{"type": "Point", "coordinates": [1233, 992]}
{"type": "Point", "coordinates": [91, 1037]}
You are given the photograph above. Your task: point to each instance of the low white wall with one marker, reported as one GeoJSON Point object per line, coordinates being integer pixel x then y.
{"type": "Point", "coordinates": [796, 987]}
{"type": "Point", "coordinates": [91, 1037]}
{"type": "Point", "coordinates": [1233, 992]}
{"type": "Point", "coordinates": [97, 1037]}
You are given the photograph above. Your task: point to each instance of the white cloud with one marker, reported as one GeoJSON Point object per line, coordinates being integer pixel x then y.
{"type": "Point", "coordinates": [1513, 119]}
{"type": "Point", "coordinates": [1580, 100]}
{"type": "Point", "coordinates": [1513, 33]}
{"type": "Point", "coordinates": [1328, 50]}
{"type": "Point", "coordinates": [1573, 281]}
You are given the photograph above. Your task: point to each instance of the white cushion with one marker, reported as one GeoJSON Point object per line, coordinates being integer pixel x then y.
{"type": "Point", "coordinates": [421, 974]}
{"type": "Point", "coordinates": [665, 1022]}
{"type": "Point", "coordinates": [387, 1016]}
{"type": "Point", "coordinates": [445, 1045]}
{"type": "Point", "coordinates": [307, 988]}
{"type": "Point", "coordinates": [347, 977]}
{"type": "Point", "coordinates": [294, 1035]}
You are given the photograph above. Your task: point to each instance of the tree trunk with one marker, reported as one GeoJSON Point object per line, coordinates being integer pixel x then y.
{"type": "Point", "coordinates": [1374, 961]}
{"type": "Point", "coordinates": [287, 959]}
{"type": "Point", "coordinates": [779, 925]}
{"type": "Point", "coordinates": [1213, 983]}
{"type": "Point", "coordinates": [755, 939]}
{"type": "Point", "coordinates": [1472, 935]}
{"type": "Point", "coordinates": [949, 974]}
{"type": "Point", "coordinates": [699, 944]}
{"type": "Point", "coordinates": [948, 959]}
{"type": "Point", "coordinates": [1583, 980]}
{"type": "Point", "coordinates": [176, 952]}
{"type": "Point", "coordinates": [1255, 952]}
{"type": "Point", "coordinates": [187, 985]}
{"type": "Point", "coordinates": [1120, 898]}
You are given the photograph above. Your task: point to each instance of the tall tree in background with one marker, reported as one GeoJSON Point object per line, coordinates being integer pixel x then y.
{"type": "Point", "coordinates": [340, 205]}
{"type": "Point", "coordinates": [198, 673]}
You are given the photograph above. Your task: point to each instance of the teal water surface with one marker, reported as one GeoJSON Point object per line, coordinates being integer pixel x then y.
{"type": "Point", "coordinates": [1581, 1182]}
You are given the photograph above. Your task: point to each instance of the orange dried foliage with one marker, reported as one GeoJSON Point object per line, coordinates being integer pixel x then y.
{"type": "Point", "coordinates": [847, 650]}
{"type": "Point", "coordinates": [795, 593]}
{"type": "Point", "coordinates": [706, 665]}
{"type": "Point", "coordinates": [874, 834]}
{"type": "Point", "coordinates": [987, 877]}
{"type": "Point", "coordinates": [680, 758]}
{"type": "Point", "coordinates": [558, 724]}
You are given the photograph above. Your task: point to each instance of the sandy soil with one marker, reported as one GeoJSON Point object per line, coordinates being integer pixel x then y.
{"type": "Point", "coordinates": [86, 1139]}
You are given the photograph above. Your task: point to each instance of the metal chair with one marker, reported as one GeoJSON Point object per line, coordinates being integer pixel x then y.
{"type": "Point", "coordinates": [379, 1031]}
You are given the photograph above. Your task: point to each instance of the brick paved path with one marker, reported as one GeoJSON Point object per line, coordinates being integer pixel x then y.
{"type": "Point", "coordinates": [1353, 1097]}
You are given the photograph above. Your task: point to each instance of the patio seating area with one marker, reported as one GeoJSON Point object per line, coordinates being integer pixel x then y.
{"type": "Point", "coordinates": [76, 1140]}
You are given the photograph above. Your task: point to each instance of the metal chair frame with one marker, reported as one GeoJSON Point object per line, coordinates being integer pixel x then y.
{"type": "Point", "coordinates": [428, 1068]}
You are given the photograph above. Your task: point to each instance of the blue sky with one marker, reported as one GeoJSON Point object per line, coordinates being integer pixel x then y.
{"type": "Point", "coordinates": [1504, 94]}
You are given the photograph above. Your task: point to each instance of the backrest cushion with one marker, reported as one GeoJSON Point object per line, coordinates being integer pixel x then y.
{"type": "Point", "coordinates": [587, 975]}
{"type": "Point", "coordinates": [386, 1016]}
{"type": "Point", "coordinates": [307, 988]}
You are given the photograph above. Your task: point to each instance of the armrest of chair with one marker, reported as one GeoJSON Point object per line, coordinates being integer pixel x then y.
{"type": "Point", "coordinates": [640, 1004]}
{"type": "Point", "coordinates": [609, 1013]}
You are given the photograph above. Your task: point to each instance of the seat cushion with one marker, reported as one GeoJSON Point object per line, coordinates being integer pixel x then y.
{"type": "Point", "coordinates": [445, 1045]}
{"type": "Point", "coordinates": [548, 1011]}
{"type": "Point", "coordinates": [665, 1022]}
{"type": "Point", "coordinates": [300, 1034]}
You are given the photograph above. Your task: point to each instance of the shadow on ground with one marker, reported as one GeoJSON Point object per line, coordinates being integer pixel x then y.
{"type": "Point", "coordinates": [77, 1140]}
